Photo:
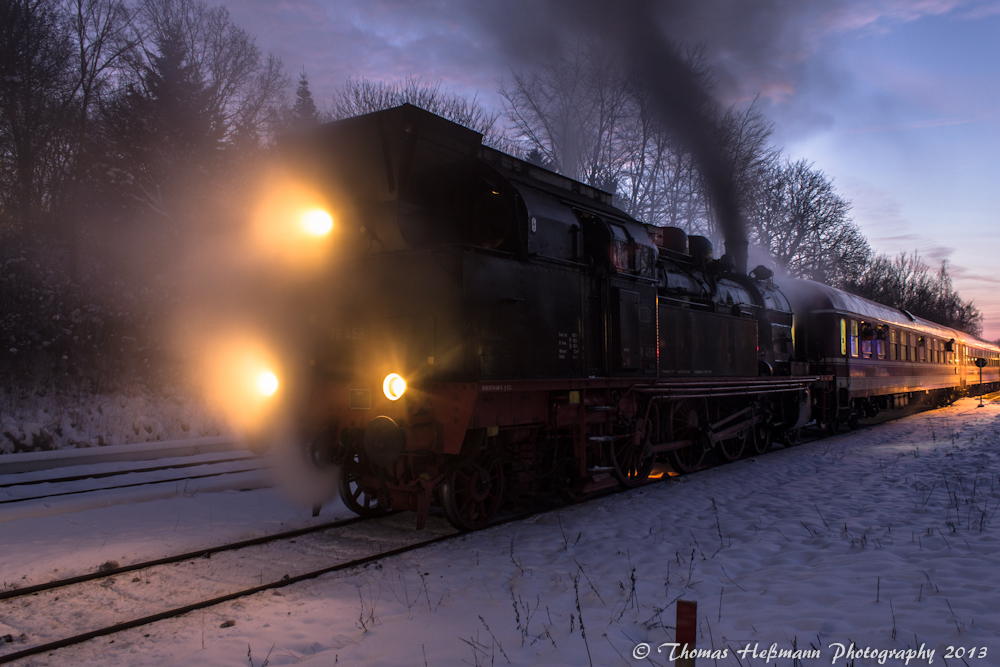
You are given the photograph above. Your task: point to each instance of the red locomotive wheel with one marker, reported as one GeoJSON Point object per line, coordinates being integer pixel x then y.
{"type": "Point", "coordinates": [761, 440]}
{"type": "Point", "coordinates": [686, 418]}
{"type": "Point", "coordinates": [731, 449]}
{"type": "Point", "coordinates": [361, 500]}
{"type": "Point", "coordinates": [470, 496]}
{"type": "Point", "coordinates": [632, 464]}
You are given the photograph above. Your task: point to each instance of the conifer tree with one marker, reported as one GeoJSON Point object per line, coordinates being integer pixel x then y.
{"type": "Point", "coordinates": [304, 112]}
{"type": "Point", "coordinates": [165, 134]}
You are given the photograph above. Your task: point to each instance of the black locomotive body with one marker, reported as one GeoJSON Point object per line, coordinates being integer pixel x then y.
{"type": "Point", "coordinates": [493, 325]}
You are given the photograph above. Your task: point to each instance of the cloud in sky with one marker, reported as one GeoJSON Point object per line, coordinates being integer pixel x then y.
{"type": "Point", "coordinates": [786, 52]}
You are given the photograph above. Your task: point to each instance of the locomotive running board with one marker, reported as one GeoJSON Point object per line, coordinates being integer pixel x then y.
{"type": "Point", "coordinates": [733, 387]}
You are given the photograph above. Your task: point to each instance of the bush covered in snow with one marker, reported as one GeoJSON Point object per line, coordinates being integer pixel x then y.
{"type": "Point", "coordinates": [82, 361]}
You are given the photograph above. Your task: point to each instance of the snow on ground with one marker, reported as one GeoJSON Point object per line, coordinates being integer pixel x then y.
{"type": "Point", "coordinates": [62, 421]}
{"type": "Point", "coordinates": [885, 537]}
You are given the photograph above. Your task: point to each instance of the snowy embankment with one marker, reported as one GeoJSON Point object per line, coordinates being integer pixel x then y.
{"type": "Point", "coordinates": [885, 538]}
{"type": "Point", "coordinates": [56, 421]}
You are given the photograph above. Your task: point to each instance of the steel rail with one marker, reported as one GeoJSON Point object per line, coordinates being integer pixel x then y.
{"type": "Point", "coordinates": [101, 475]}
{"type": "Point", "coordinates": [191, 555]}
{"type": "Point", "coordinates": [128, 486]}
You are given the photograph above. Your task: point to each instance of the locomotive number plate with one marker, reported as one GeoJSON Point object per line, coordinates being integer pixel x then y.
{"type": "Point", "coordinates": [361, 399]}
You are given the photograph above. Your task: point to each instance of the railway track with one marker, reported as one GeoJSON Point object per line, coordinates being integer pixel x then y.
{"type": "Point", "coordinates": [18, 488]}
{"type": "Point", "coordinates": [201, 579]}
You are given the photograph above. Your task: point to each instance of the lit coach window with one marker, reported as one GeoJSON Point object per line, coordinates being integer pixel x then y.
{"type": "Point", "coordinates": [393, 386]}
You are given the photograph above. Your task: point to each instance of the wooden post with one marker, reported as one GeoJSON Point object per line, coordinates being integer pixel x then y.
{"type": "Point", "coordinates": [980, 362]}
{"type": "Point", "coordinates": [687, 625]}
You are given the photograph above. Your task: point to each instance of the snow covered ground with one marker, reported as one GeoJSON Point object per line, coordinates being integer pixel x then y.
{"type": "Point", "coordinates": [34, 422]}
{"type": "Point", "coordinates": [885, 538]}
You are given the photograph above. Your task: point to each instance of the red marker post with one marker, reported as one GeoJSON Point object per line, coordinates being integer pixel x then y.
{"type": "Point", "coordinates": [980, 362]}
{"type": "Point", "coordinates": [687, 624]}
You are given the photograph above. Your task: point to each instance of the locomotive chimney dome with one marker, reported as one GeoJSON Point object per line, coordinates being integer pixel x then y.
{"type": "Point", "coordinates": [700, 247]}
{"type": "Point", "coordinates": [675, 239]}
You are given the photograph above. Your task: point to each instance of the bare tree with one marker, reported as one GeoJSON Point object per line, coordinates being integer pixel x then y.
{"type": "Point", "coordinates": [36, 101]}
{"type": "Point", "coordinates": [360, 96]}
{"type": "Point", "coordinates": [104, 38]}
{"type": "Point", "coordinates": [570, 109]}
{"type": "Point", "coordinates": [798, 218]}
{"type": "Point", "coordinates": [906, 282]}
{"type": "Point", "coordinates": [581, 112]}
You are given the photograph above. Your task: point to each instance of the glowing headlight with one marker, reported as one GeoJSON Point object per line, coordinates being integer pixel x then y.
{"type": "Point", "coordinates": [267, 383]}
{"type": "Point", "coordinates": [393, 386]}
{"type": "Point", "coordinates": [317, 222]}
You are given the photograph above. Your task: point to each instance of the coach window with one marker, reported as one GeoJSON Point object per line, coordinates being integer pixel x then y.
{"type": "Point", "coordinates": [854, 338]}
{"type": "Point", "coordinates": [922, 348]}
{"type": "Point", "coordinates": [866, 340]}
{"type": "Point", "coordinates": [843, 337]}
{"type": "Point", "coordinates": [880, 336]}
{"type": "Point", "coordinates": [893, 345]}
{"type": "Point", "coordinates": [913, 347]}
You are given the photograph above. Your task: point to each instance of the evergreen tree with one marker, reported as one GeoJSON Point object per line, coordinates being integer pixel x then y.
{"type": "Point", "coordinates": [304, 112]}
{"type": "Point", "coordinates": [182, 113]}
{"type": "Point", "coordinates": [164, 134]}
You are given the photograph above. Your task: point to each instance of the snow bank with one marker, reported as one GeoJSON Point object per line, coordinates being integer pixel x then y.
{"type": "Point", "coordinates": [64, 421]}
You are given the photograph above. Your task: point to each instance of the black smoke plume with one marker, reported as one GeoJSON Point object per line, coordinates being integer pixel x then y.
{"type": "Point", "coordinates": [645, 35]}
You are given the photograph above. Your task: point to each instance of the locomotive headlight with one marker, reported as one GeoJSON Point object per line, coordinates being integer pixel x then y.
{"type": "Point", "coordinates": [393, 386]}
{"type": "Point", "coordinates": [317, 222]}
{"type": "Point", "coordinates": [267, 383]}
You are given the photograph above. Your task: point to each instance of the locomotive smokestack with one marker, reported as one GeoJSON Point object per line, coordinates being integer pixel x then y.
{"type": "Point", "coordinates": [738, 250]}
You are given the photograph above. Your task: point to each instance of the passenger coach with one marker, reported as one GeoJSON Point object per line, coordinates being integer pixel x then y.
{"type": "Point", "coordinates": [881, 357]}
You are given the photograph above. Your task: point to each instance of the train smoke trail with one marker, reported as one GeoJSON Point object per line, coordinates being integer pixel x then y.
{"type": "Point", "coordinates": [746, 36]}
{"type": "Point", "coordinates": [684, 106]}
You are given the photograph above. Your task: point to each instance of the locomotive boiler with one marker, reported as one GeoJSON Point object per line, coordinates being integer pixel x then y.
{"type": "Point", "coordinates": [491, 326]}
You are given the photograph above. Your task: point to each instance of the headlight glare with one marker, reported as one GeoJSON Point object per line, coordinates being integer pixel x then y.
{"type": "Point", "coordinates": [267, 383]}
{"type": "Point", "coordinates": [317, 222]}
{"type": "Point", "coordinates": [393, 386]}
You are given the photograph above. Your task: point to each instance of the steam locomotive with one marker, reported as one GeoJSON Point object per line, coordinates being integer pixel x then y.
{"type": "Point", "coordinates": [489, 325]}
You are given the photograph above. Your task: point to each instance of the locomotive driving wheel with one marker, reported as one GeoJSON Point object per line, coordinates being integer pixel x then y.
{"type": "Point", "coordinates": [761, 440]}
{"type": "Point", "coordinates": [471, 495]}
{"type": "Point", "coordinates": [732, 448]}
{"type": "Point", "coordinates": [630, 455]}
{"type": "Point", "coordinates": [686, 419]}
{"type": "Point", "coordinates": [362, 500]}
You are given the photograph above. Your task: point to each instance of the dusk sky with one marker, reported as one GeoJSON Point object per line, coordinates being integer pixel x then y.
{"type": "Point", "coordinates": [897, 100]}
